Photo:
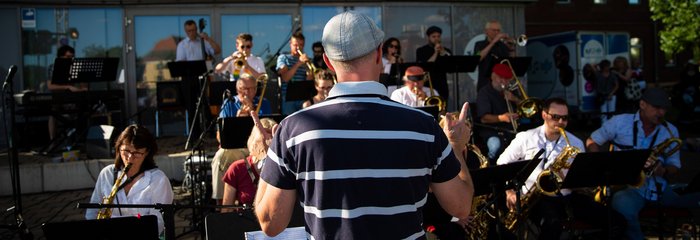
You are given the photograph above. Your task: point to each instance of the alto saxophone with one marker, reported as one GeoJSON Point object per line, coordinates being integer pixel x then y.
{"type": "Point", "coordinates": [106, 212]}
{"type": "Point", "coordinates": [480, 223]}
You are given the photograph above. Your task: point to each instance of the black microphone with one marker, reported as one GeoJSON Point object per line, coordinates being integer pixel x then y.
{"type": "Point", "coordinates": [10, 74]}
{"type": "Point", "coordinates": [206, 73]}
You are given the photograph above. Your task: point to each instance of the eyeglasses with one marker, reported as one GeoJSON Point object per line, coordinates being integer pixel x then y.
{"type": "Point", "coordinates": [247, 46]}
{"type": "Point", "coordinates": [557, 117]}
{"type": "Point", "coordinates": [133, 154]}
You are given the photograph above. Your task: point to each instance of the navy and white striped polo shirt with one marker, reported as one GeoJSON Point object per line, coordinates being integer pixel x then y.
{"type": "Point", "coordinates": [361, 164]}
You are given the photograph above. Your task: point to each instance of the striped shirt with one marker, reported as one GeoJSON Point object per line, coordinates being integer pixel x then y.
{"type": "Point", "coordinates": [361, 163]}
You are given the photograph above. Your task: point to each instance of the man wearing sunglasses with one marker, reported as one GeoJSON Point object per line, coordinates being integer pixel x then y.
{"type": "Point", "coordinates": [550, 212]}
{"type": "Point", "coordinates": [252, 65]}
{"type": "Point", "coordinates": [413, 93]}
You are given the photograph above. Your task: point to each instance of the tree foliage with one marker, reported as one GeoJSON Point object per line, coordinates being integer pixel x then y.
{"type": "Point", "coordinates": [681, 25]}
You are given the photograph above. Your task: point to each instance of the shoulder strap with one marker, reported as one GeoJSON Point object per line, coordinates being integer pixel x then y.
{"type": "Point", "coordinates": [250, 171]}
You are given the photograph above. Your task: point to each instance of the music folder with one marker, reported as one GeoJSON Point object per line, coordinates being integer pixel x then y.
{"type": "Point", "coordinates": [520, 65]}
{"type": "Point", "coordinates": [485, 178]}
{"type": "Point", "coordinates": [79, 70]}
{"type": "Point", "coordinates": [592, 169]}
{"type": "Point", "coordinates": [143, 227]}
{"type": "Point", "coordinates": [234, 131]}
{"type": "Point", "coordinates": [187, 69]}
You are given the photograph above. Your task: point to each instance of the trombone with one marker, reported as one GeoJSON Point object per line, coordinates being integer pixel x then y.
{"type": "Point", "coordinates": [263, 79]}
{"type": "Point", "coordinates": [434, 100]}
{"type": "Point", "coordinates": [529, 106]}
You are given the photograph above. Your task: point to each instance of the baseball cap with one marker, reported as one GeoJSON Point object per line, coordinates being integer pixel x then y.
{"type": "Point", "coordinates": [502, 70]}
{"type": "Point", "coordinates": [414, 73]}
{"type": "Point", "coordinates": [657, 97]}
{"type": "Point", "coordinates": [350, 35]}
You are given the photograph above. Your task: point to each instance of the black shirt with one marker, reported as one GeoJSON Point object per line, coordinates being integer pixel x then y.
{"type": "Point", "coordinates": [438, 77]}
{"type": "Point", "coordinates": [498, 52]}
{"type": "Point", "coordinates": [490, 101]}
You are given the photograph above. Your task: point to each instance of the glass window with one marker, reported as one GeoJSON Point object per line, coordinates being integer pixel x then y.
{"type": "Point", "coordinates": [92, 32]}
{"type": "Point", "coordinates": [270, 32]}
{"type": "Point", "coordinates": [563, 1]}
{"type": "Point", "coordinates": [600, 1]}
{"type": "Point", "coordinates": [409, 24]}
{"type": "Point", "coordinates": [315, 18]}
{"type": "Point", "coordinates": [633, 2]}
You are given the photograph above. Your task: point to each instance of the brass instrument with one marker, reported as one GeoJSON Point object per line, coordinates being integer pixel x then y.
{"type": "Point", "coordinates": [549, 180]}
{"type": "Point", "coordinates": [241, 61]}
{"type": "Point", "coordinates": [263, 79]}
{"type": "Point", "coordinates": [480, 223]}
{"type": "Point", "coordinates": [310, 68]}
{"type": "Point", "coordinates": [106, 212]}
{"type": "Point", "coordinates": [434, 100]}
{"type": "Point", "coordinates": [443, 52]}
{"type": "Point", "coordinates": [661, 150]}
{"type": "Point", "coordinates": [520, 41]}
{"type": "Point", "coordinates": [527, 201]}
{"type": "Point", "coordinates": [529, 106]}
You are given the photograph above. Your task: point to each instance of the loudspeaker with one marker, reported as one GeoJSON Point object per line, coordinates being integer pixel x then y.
{"type": "Point", "coordinates": [169, 95]}
{"type": "Point", "coordinates": [98, 143]}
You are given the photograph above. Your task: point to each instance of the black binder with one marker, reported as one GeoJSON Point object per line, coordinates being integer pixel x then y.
{"type": "Point", "coordinates": [187, 68]}
{"type": "Point", "coordinates": [234, 131]}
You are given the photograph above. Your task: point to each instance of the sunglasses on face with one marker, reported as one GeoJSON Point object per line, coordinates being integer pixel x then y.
{"type": "Point", "coordinates": [557, 117]}
{"type": "Point", "coordinates": [246, 46]}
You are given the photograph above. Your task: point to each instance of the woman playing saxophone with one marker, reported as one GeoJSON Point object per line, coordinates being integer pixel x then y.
{"type": "Point", "coordinates": [141, 183]}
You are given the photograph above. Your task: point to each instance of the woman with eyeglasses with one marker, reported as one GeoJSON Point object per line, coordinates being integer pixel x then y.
{"type": "Point", "coordinates": [143, 183]}
{"type": "Point", "coordinates": [391, 53]}
{"type": "Point", "coordinates": [323, 82]}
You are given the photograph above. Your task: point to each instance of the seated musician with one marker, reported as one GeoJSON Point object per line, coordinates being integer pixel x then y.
{"type": "Point", "coordinates": [550, 212]}
{"type": "Point", "coordinates": [241, 178]}
{"type": "Point", "coordinates": [492, 109]}
{"type": "Point", "coordinates": [645, 129]}
{"type": "Point", "coordinates": [413, 93]}
{"type": "Point", "coordinates": [323, 84]}
{"type": "Point", "coordinates": [252, 65]}
{"type": "Point", "coordinates": [239, 105]}
{"type": "Point", "coordinates": [64, 51]}
{"type": "Point", "coordinates": [143, 183]}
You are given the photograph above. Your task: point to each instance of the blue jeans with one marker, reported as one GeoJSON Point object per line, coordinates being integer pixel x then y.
{"type": "Point", "coordinates": [629, 202]}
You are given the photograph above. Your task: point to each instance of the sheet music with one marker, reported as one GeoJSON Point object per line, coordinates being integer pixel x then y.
{"type": "Point", "coordinates": [295, 233]}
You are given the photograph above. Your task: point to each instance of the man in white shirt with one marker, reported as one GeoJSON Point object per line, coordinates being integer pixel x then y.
{"type": "Point", "coordinates": [413, 93]}
{"type": "Point", "coordinates": [190, 48]}
{"type": "Point", "coordinates": [252, 65]}
{"type": "Point", "coordinates": [553, 210]}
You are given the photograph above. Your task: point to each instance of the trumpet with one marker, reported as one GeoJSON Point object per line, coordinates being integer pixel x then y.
{"type": "Point", "coordinates": [529, 106]}
{"type": "Point", "coordinates": [241, 61]}
{"type": "Point", "coordinates": [664, 149]}
{"type": "Point", "coordinates": [310, 68]}
{"type": "Point", "coordinates": [520, 41]}
{"type": "Point", "coordinates": [442, 49]}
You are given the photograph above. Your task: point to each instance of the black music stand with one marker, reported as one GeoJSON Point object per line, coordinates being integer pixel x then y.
{"type": "Point", "coordinates": [191, 87]}
{"type": "Point", "coordinates": [144, 227]}
{"type": "Point", "coordinates": [84, 70]}
{"type": "Point", "coordinates": [232, 225]}
{"type": "Point", "coordinates": [592, 169]}
{"type": "Point", "coordinates": [432, 110]}
{"type": "Point", "coordinates": [520, 65]}
{"type": "Point", "coordinates": [300, 90]}
{"type": "Point", "coordinates": [234, 131]}
{"type": "Point", "coordinates": [187, 69]}
{"type": "Point", "coordinates": [217, 89]}
{"type": "Point", "coordinates": [457, 64]}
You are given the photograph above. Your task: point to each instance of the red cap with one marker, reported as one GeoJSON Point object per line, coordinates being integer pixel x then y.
{"type": "Point", "coordinates": [503, 71]}
{"type": "Point", "coordinates": [414, 73]}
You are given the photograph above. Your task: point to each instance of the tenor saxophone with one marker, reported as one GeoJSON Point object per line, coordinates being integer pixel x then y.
{"type": "Point", "coordinates": [480, 223]}
{"type": "Point", "coordinates": [106, 212]}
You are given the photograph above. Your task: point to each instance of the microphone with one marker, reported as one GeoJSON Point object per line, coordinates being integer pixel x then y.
{"type": "Point", "coordinates": [10, 74]}
{"type": "Point", "coordinates": [206, 73]}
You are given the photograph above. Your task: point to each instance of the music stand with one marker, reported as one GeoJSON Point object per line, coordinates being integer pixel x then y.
{"type": "Point", "coordinates": [432, 110]}
{"type": "Point", "coordinates": [84, 70]}
{"type": "Point", "coordinates": [186, 69]}
{"type": "Point", "coordinates": [484, 178]}
{"type": "Point", "coordinates": [520, 64]}
{"type": "Point", "coordinates": [144, 227]}
{"type": "Point", "coordinates": [234, 131]}
{"type": "Point", "coordinates": [592, 169]}
{"type": "Point", "coordinates": [457, 64]}
{"type": "Point", "coordinates": [234, 225]}
{"type": "Point", "coordinates": [217, 89]}
{"type": "Point", "coordinates": [300, 90]}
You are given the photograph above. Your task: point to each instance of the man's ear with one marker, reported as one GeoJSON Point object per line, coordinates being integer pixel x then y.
{"type": "Point", "coordinates": [328, 62]}
{"type": "Point", "coordinates": [379, 54]}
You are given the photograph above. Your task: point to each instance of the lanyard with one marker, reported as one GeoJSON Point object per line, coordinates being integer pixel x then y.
{"type": "Point", "coordinates": [635, 131]}
{"type": "Point", "coordinates": [546, 155]}
{"type": "Point", "coordinates": [250, 171]}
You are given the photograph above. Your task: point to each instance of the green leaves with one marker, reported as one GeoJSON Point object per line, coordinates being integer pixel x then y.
{"type": "Point", "coordinates": [681, 23]}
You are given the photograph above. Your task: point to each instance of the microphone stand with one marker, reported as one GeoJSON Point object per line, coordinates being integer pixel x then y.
{"type": "Point", "coordinates": [9, 104]}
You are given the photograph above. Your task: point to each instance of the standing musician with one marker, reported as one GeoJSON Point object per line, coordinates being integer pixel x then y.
{"type": "Point", "coordinates": [644, 129]}
{"type": "Point", "coordinates": [491, 51]}
{"type": "Point", "coordinates": [551, 211]}
{"type": "Point", "coordinates": [64, 51]}
{"type": "Point", "coordinates": [190, 48]}
{"type": "Point", "coordinates": [317, 47]}
{"type": "Point", "coordinates": [243, 56]}
{"type": "Point", "coordinates": [144, 183]}
{"type": "Point", "coordinates": [292, 67]}
{"type": "Point", "coordinates": [323, 84]}
{"type": "Point", "coordinates": [413, 93]}
{"type": "Point", "coordinates": [341, 161]}
{"type": "Point", "coordinates": [432, 52]}
{"type": "Point", "coordinates": [492, 109]}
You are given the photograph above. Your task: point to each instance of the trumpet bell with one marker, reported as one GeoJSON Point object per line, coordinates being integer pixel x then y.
{"type": "Point", "coordinates": [522, 40]}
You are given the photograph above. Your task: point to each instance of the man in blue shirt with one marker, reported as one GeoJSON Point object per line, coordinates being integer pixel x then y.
{"type": "Point", "coordinates": [341, 160]}
{"type": "Point", "coordinates": [643, 130]}
{"type": "Point", "coordinates": [292, 68]}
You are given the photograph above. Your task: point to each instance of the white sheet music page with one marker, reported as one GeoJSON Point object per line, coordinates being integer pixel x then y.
{"type": "Point", "coordinates": [295, 233]}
